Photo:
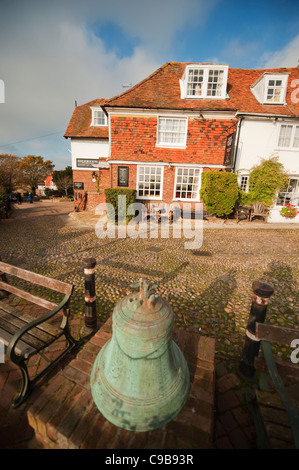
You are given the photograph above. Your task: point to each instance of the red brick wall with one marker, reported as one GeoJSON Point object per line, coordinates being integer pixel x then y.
{"type": "Point", "coordinates": [94, 197]}
{"type": "Point", "coordinates": [134, 138]}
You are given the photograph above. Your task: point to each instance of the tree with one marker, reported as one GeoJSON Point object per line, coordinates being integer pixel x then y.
{"type": "Point", "coordinates": [265, 180]}
{"type": "Point", "coordinates": [9, 171]}
{"type": "Point", "coordinates": [64, 179]}
{"type": "Point", "coordinates": [219, 192]}
{"type": "Point", "coordinates": [34, 170]}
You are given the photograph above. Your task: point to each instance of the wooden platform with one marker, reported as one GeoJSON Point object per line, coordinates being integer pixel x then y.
{"type": "Point", "coordinates": [63, 414]}
{"type": "Point", "coordinates": [275, 420]}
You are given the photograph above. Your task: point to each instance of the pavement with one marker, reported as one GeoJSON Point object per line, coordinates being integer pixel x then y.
{"type": "Point", "coordinates": [210, 291]}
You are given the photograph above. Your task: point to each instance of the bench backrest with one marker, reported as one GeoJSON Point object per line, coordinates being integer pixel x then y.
{"type": "Point", "coordinates": [259, 208]}
{"type": "Point", "coordinates": [44, 281]}
{"type": "Point", "coordinates": [276, 334]}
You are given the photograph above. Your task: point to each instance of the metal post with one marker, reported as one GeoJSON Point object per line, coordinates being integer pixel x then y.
{"type": "Point", "coordinates": [262, 293]}
{"type": "Point", "coordinates": [90, 294]}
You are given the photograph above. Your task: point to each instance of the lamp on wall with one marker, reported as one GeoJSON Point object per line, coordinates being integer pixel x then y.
{"type": "Point", "coordinates": [93, 176]}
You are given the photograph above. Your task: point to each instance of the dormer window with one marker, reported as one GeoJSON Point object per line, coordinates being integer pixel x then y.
{"type": "Point", "coordinates": [204, 81]}
{"type": "Point", "coordinates": [274, 91]}
{"type": "Point", "coordinates": [270, 88]}
{"type": "Point", "coordinates": [99, 118]}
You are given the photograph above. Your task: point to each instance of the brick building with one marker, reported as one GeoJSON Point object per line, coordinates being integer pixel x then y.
{"type": "Point", "coordinates": [160, 135]}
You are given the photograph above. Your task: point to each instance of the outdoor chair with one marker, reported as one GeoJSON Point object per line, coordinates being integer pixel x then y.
{"type": "Point", "coordinates": [258, 209]}
{"type": "Point", "coordinates": [241, 212]}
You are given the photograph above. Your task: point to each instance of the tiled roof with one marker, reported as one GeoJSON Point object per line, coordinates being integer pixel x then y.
{"type": "Point", "coordinates": [161, 90]}
{"type": "Point", "coordinates": [79, 125]}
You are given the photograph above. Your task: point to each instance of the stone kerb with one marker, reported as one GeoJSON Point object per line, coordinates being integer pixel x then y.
{"type": "Point", "coordinates": [64, 416]}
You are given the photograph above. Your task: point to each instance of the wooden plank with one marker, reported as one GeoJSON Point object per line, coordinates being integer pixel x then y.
{"type": "Point", "coordinates": [21, 346]}
{"type": "Point", "coordinates": [276, 334]}
{"type": "Point", "coordinates": [275, 415]}
{"type": "Point", "coordinates": [51, 329]}
{"type": "Point", "coordinates": [278, 444]}
{"type": "Point", "coordinates": [19, 323]}
{"type": "Point", "coordinates": [25, 295]}
{"type": "Point", "coordinates": [278, 432]}
{"type": "Point", "coordinates": [272, 399]}
{"type": "Point", "coordinates": [44, 281]}
{"type": "Point", "coordinates": [284, 368]}
{"type": "Point", "coordinates": [26, 338]}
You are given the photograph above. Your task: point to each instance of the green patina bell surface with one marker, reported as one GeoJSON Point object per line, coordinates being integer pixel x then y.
{"type": "Point", "coordinates": [140, 378]}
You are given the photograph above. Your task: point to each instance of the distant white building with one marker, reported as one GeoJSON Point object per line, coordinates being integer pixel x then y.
{"type": "Point", "coordinates": [49, 184]}
{"type": "Point", "coordinates": [274, 132]}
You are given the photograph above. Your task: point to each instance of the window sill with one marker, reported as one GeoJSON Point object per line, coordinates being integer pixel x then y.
{"type": "Point", "coordinates": [171, 146]}
{"type": "Point", "coordinates": [288, 149]}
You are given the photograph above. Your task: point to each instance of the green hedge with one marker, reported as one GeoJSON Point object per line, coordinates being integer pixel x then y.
{"type": "Point", "coordinates": [120, 210]}
{"type": "Point", "coordinates": [219, 192]}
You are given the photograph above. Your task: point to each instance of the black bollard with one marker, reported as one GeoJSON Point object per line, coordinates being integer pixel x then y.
{"type": "Point", "coordinates": [90, 293]}
{"type": "Point", "coordinates": [262, 293]}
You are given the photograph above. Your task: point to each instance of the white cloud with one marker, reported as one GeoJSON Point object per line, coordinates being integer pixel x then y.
{"type": "Point", "coordinates": [237, 51]}
{"type": "Point", "coordinates": [49, 57]}
{"type": "Point", "coordinates": [286, 57]}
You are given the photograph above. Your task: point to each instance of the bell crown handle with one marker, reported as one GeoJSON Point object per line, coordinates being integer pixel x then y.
{"type": "Point", "coordinates": [145, 288]}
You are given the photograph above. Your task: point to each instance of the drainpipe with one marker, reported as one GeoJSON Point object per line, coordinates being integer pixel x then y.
{"type": "Point", "coordinates": [237, 144]}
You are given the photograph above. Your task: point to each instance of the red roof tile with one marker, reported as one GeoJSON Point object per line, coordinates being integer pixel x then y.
{"type": "Point", "coordinates": [161, 90]}
{"type": "Point", "coordinates": [79, 125]}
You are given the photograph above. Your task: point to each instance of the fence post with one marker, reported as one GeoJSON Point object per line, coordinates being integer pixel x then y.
{"type": "Point", "coordinates": [90, 316]}
{"type": "Point", "coordinates": [261, 296]}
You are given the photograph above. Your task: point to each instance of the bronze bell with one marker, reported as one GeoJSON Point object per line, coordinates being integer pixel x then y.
{"type": "Point", "coordinates": [140, 378]}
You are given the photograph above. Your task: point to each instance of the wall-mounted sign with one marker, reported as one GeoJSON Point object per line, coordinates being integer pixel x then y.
{"type": "Point", "coordinates": [86, 162]}
{"type": "Point", "coordinates": [78, 185]}
{"type": "Point", "coordinates": [123, 176]}
{"type": "Point", "coordinates": [229, 149]}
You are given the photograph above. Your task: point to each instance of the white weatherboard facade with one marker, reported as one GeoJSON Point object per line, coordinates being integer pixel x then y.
{"type": "Point", "coordinates": [261, 138]}
{"type": "Point", "coordinates": [86, 150]}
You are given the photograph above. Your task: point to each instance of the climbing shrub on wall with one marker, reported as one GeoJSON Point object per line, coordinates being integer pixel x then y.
{"type": "Point", "coordinates": [265, 180]}
{"type": "Point", "coordinates": [120, 205]}
{"type": "Point", "coordinates": [219, 192]}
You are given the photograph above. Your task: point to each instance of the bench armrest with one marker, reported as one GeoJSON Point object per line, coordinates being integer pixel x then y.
{"type": "Point", "coordinates": [18, 335]}
{"type": "Point", "coordinates": [290, 409]}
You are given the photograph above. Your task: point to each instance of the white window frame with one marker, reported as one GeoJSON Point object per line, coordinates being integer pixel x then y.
{"type": "Point", "coordinates": [282, 87]}
{"type": "Point", "coordinates": [246, 186]}
{"type": "Point", "coordinates": [186, 167]}
{"type": "Point", "coordinates": [156, 198]}
{"type": "Point", "coordinates": [160, 143]}
{"type": "Point", "coordinates": [292, 196]}
{"type": "Point", "coordinates": [206, 69]}
{"type": "Point", "coordinates": [94, 118]}
{"type": "Point", "coordinates": [292, 136]}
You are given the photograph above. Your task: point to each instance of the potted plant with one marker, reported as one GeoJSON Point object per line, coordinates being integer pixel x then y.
{"type": "Point", "coordinates": [289, 211]}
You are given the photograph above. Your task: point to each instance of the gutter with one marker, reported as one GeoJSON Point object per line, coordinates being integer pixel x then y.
{"type": "Point", "coordinates": [237, 144]}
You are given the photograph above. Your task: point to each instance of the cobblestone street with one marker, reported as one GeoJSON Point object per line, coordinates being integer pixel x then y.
{"type": "Point", "coordinates": [210, 290]}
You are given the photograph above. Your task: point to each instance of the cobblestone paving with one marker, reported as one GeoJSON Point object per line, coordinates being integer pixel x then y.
{"type": "Point", "coordinates": [209, 289]}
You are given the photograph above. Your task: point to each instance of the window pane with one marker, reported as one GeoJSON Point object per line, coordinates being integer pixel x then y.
{"type": "Point", "coordinates": [195, 80]}
{"type": "Point", "coordinates": [296, 137]}
{"type": "Point", "coordinates": [188, 185]}
{"type": "Point", "coordinates": [289, 194]}
{"type": "Point", "coordinates": [149, 182]}
{"type": "Point", "coordinates": [285, 136]}
{"type": "Point", "coordinates": [172, 131]}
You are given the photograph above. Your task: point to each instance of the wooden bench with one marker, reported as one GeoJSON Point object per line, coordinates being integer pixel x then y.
{"type": "Point", "coordinates": [258, 209]}
{"type": "Point", "coordinates": [276, 416]}
{"type": "Point", "coordinates": [22, 334]}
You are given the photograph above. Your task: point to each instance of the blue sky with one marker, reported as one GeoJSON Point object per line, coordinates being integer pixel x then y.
{"type": "Point", "coordinates": [53, 53]}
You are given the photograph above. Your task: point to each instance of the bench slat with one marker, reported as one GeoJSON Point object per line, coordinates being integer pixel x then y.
{"type": "Point", "coordinates": [26, 338]}
{"type": "Point", "coordinates": [276, 334]}
{"type": "Point", "coordinates": [44, 281]}
{"type": "Point", "coordinates": [17, 322]}
{"type": "Point", "coordinates": [25, 295]}
{"type": "Point", "coordinates": [20, 347]}
{"type": "Point", "coordinates": [47, 327]}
